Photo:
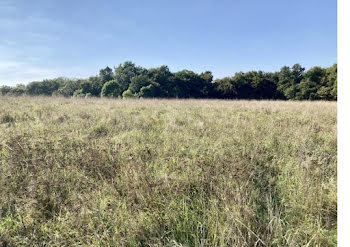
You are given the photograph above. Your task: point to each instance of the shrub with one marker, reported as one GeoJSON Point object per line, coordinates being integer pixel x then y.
{"type": "Point", "coordinates": [129, 94]}
{"type": "Point", "coordinates": [79, 94]}
{"type": "Point", "coordinates": [111, 89]}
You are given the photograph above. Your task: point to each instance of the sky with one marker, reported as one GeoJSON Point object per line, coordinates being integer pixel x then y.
{"type": "Point", "coordinates": [50, 38]}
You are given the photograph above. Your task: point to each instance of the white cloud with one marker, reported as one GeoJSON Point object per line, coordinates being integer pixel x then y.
{"type": "Point", "coordinates": [13, 72]}
{"type": "Point", "coordinates": [26, 46]}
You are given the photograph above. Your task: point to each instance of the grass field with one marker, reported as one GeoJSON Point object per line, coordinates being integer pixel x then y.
{"type": "Point", "coordinates": [99, 172]}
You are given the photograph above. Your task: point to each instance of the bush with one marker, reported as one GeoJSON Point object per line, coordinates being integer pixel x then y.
{"type": "Point", "coordinates": [149, 91]}
{"type": "Point", "coordinates": [88, 95]}
{"type": "Point", "coordinates": [111, 89]}
{"type": "Point", "coordinates": [129, 94]}
{"type": "Point", "coordinates": [79, 94]}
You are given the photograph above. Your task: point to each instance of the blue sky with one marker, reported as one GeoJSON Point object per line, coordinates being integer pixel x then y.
{"type": "Point", "coordinates": [50, 38]}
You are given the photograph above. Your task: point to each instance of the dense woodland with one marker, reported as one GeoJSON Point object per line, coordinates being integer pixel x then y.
{"type": "Point", "coordinates": [131, 81]}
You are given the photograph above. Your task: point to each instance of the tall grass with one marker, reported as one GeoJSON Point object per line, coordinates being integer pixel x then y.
{"type": "Point", "coordinates": [98, 172]}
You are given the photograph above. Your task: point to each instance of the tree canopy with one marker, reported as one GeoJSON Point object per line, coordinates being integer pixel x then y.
{"type": "Point", "coordinates": [128, 80]}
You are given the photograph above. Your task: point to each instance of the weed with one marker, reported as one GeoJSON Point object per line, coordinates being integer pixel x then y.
{"type": "Point", "coordinates": [102, 172]}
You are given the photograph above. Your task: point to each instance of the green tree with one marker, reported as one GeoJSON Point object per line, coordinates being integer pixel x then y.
{"type": "Point", "coordinates": [106, 74]}
{"type": "Point", "coordinates": [239, 86]}
{"type": "Point", "coordinates": [163, 80]}
{"type": "Point", "coordinates": [263, 85]}
{"type": "Point", "coordinates": [130, 80]}
{"type": "Point", "coordinates": [150, 91]}
{"type": "Point", "coordinates": [326, 89]}
{"type": "Point", "coordinates": [18, 90]}
{"type": "Point", "coordinates": [68, 88]}
{"type": "Point", "coordinates": [191, 85]}
{"type": "Point", "coordinates": [313, 80]}
{"type": "Point", "coordinates": [124, 72]}
{"type": "Point", "coordinates": [225, 88]}
{"type": "Point", "coordinates": [137, 82]}
{"type": "Point", "coordinates": [45, 87]}
{"type": "Point", "coordinates": [289, 79]}
{"type": "Point", "coordinates": [111, 89]}
{"type": "Point", "coordinates": [95, 85]}
{"type": "Point", "coordinates": [5, 90]}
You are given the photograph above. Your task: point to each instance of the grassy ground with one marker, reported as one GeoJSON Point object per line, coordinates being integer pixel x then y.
{"type": "Point", "coordinates": [98, 172]}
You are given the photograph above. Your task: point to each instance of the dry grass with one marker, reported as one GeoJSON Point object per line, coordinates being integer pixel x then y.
{"type": "Point", "coordinates": [98, 172]}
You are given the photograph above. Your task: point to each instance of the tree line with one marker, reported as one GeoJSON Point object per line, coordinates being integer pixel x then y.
{"type": "Point", "coordinates": [131, 81]}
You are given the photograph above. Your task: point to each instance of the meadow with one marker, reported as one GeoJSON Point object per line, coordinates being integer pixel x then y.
{"type": "Point", "coordinates": [137, 172]}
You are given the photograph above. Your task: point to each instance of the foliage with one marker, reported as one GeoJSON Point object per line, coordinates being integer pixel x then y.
{"type": "Point", "coordinates": [128, 94]}
{"type": "Point", "coordinates": [289, 79]}
{"type": "Point", "coordinates": [191, 85]}
{"type": "Point", "coordinates": [78, 93]}
{"type": "Point", "coordinates": [291, 83]}
{"type": "Point", "coordinates": [150, 91]}
{"type": "Point", "coordinates": [124, 73]}
{"type": "Point", "coordinates": [106, 74]}
{"type": "Point", "coordinates": [137, 82]}
{"type": "Point", "coordinates": [5, 90]}
{"type": "Point", "coordinates": [45, 87]}
{"type": "Point", "coordinates": [18, 90]}
{"type": "Point", "coordinates": [69, 87]}
{"type": "Point", "coordinates": [111, 89]}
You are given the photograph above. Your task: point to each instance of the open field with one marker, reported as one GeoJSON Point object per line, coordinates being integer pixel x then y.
{"type": "Point", "coordinates": [99, 172]}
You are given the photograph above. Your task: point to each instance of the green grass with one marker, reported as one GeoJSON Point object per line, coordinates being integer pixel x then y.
{"type": "Point", "coordinates": [99, 172]}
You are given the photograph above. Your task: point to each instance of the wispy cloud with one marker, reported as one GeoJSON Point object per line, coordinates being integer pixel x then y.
{"type": "Point", "coordinates": [14, 72]}
{"type": "Point", "coordinates": [26, 43]}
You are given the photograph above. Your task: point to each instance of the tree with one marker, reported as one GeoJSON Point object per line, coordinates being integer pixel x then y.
{"type": "Point", "coordinates": [85, 86]}
{"type": "Point", "coordinates": [327, 85]}
{"type": "Point", "coordinates": [225, 88]}
{"type": "Point", "coordinates": [289, 79]}
{"type": "Point", "coordinates": [68, 88]}
{"type": "Point", "coordinates": [91, 85]}
{"type": "Point", "coordinates": [189, 84]}
{"type": "Point", "coordinates": [137, 82]}
{"type": "Point", "coordinates": [5, 90]}
{"type": "Point", "coordinates": [313, 80]}
{"type": "Point", "coordinates": [208, 85]}
{"type": "Point", "coordinates": [150, 91]}
{"type": "Point", "coordinates": [333, 81]}
{"type": "Point", "coordinates": [129, 80]}
{"type": "Point", "coordinates": [106, 74]}
{"type": "Point", "coordinates": [239, 86]}
{"type": "Point", "coordinates": [111, 89]}
{"type": "Point", "coordinates": [18, 90]}
{"type": "Point", "coordinates": [163, 80]}
{"type": "Point", "coordinates": [45, 87]}
{"type": "Point", "coordinates": [262, 84]}
{"type": "Point", "coordinates": [124, 72]}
